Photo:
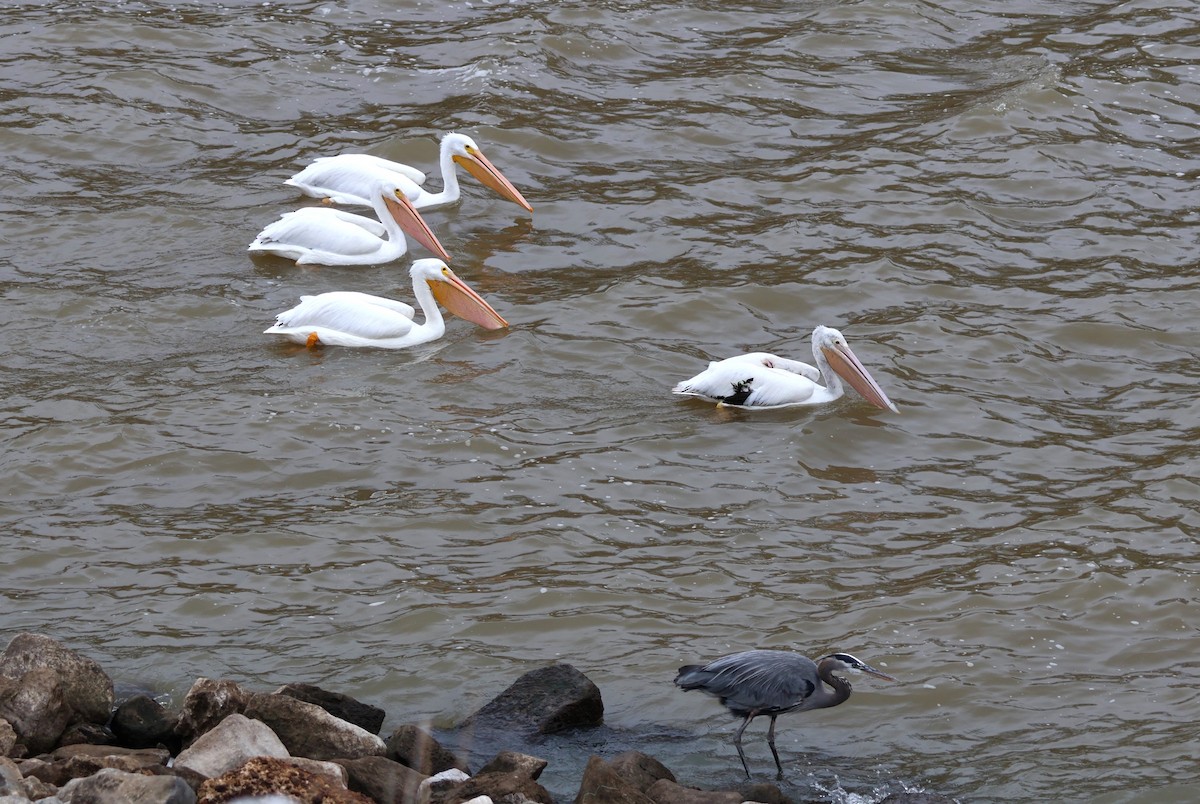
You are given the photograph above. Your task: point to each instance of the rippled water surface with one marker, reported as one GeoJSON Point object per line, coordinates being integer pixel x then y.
{"type": "Point", "coordinates": [997, 205]}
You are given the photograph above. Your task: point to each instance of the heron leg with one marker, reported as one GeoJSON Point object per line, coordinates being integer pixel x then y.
{"type": "Point", "coordinates": [737, 742]}
{"type": "Point", "coordinates": [771, 742]}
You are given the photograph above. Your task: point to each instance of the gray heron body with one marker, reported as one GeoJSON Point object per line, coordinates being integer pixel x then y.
{"type": "Point", "coordinates": [773, 683]}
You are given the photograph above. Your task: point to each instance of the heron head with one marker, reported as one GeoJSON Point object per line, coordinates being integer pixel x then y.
{"type": "Point", "coordinates": [853, 664]}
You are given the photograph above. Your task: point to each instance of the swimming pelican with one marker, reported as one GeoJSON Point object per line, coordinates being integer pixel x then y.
{"type": "Point", "coordinates": [762, 380]}
{"type": "Point", "coordinates": [322, 236]}
{"type": "Point", "coordinates": [348, 318]}
{"type": "Point", "coordinates": [342, 179]}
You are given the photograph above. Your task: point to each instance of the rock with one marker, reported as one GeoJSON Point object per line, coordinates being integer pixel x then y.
{"type": "Point", "coordinates": [763, 793]}
{"type": "Point", "coordinates": [35, 706]}
{"type": "Point", "coordinates": [228, 745]}
{"type": "Point", "coordinates": [366, 717]}
{"type": "Point", "coordinates": [383, 779]}
{"type": "Point", "coordinates": [309, 731]}
{"type": "Point", "coordinates": [413, 746]}
{"type": "Point", "coordinates": [601, 784]}
{"type": "Point", "coordinates": [87, 689]}
{"type": "Point", "coordinates": [916, 798]}
{"type": "Point", "coordinates": [77, 761]}
{"type": "Point", "coordinates": [641, 770]}
{"type": "Point", "coordinates": [502, 788]}
{"type": "Point", "coordinates": [111, 786]}
{"type": "Point", "coordinates": [440, 783]}
{"type": "Point", "coordinates": [8, 738]}
{"type": "Point", "coordinates": [142, 722]}
{"type": "Point", "coordinates": [87, 734]}
{"type": "Point", "coordinates": [264, 776]}
{"type": "Point", "coordinates": [512, 762]}
{"type": "Point", "coordinates": [10, 778]}
{"type": "Point", "coordinates": [36, 789]}
{"type": "Point", "coordinates": [206, 704]}
{"type": "Point", "coordinates": [543, 701]}
{"type": "Point", "coordinates": [664, 791]}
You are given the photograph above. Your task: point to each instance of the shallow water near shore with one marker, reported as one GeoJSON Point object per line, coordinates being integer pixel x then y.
{"type": "Point", "coordinates": [998, 207]}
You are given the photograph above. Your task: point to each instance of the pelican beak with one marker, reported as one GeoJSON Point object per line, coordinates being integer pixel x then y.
{"type": "Point", "coordinates": [458, 297]}
{"type": "Point", "coordinates": [478, 166]}
{"type": "Point", "coordinates": [843, 361]}
{"type": "Point", "coordinates": [412, 223]}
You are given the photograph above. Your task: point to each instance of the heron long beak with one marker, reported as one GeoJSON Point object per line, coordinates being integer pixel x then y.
{"type": "Point", "coordinates": [842, 360]}
{"type": "Point", "coordinates": [871, 671]}
{"type": "Point", "coordinates": [412, 223]}
{"type": "Point", "coordinates": [482, 169]}
{"type": "Point", "coordinates": [458, 297]}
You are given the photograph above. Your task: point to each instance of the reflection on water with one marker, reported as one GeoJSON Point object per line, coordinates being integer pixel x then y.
{"type": "Point", "coordinates": [998, 208]}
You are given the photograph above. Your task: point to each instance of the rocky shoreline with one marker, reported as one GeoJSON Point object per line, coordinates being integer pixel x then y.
{"type": "Point", "coordinates": [65, 738]}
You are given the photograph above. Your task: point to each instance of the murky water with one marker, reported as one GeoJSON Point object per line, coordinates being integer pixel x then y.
{"type": "Point", "coordinates": [998, 207]}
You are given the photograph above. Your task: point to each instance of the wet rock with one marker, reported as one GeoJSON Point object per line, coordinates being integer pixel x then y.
{"type": "Point", "coordinates": [543, 701]}
{"type": "Point", "coordinates": [601, 784]}
{"type": "Point", "coordinates": [264, 776]}
{"type": "Point", "coordinates": [112, 786]}
{"type": "Point", "coordinates": [366, 717]}
{"type": "Point", "coordinates": [664, 791]}
{"type": "Point", "coordinates": [440, 783]}
{"type": "Point", "coordinates": [87, 689]}
{"type": "Point", "coordinates": [501, 788]}
{"type": "Point", "coordinates": [413, 746]}
{"type": "Point", "coordinates": [81, 760]}
{"type": "Point", "coordinates": [227, 746]}
{"type": "Point", "coordinates": [763, 792]}
{"type": "Point", "coordinates": [512, 762]}
{"type": "Point", "coordinates": [206, 704]}
{"type": "Point", "coordinates": [87, 734]}
{"type": "Point", "coordinates": [309, 731]}
{"type": "Point", "coordinates": [383, 779]}
{"type": "Point", "coordinates": [142, 722]}
{"type": "Point", "coordinates": [640, 770]}
{"type": "Point", "coordinates": [916, 798]}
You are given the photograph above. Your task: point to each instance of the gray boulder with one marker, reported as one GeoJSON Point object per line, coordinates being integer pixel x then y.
{"type": "Point", "coordinates": [382, 779]}
{"type": "Point", "coordinates": [513, 762]}
{"type": "Point", "coordinates": [228, 745]}
{"type": "Point", "coordinates": [112, 786]}
{"type": "Point", "coordinates": [309, 731]}
{"type": "Point", "coordinates": [35, 706]}
{"type": "Point", "coordinates": [87, 689]}
{"type": "Point", "coordinates": [418, 749]}
{"type": "Point", "coordinates": [543, 701]}
{"type": "Point", "coordinates": [206, 704]}
{"type": "Point", "coordinates": [366, 717]}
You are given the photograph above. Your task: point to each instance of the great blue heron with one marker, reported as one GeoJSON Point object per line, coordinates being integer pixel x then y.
{"type": "Point", "coordinates": [772, 683]}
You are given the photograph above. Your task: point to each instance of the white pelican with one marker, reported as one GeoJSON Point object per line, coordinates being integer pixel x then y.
{"type": "Point", "coordinates": [347, 318]}
{"type": "Point", "coordinates": [762, 380]}
{"type": "Point", "coordinates": [323, 236]}
{"type": "Point", "coordinates": [343, 179]}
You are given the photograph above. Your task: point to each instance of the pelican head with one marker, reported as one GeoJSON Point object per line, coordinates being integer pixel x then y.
{"type": "Point", "coordinates": [465, 152]}
{"type": "Point", "coordinates": [831, 344]}
{"type": "Point", "coordinates": [398, 198]}
{"type": "Point", "coordinates": [456, 295]}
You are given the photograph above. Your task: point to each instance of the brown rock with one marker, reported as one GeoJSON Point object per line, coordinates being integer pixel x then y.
{"type": "Point", "coordinates": [206, 704]}
{"type": "Point", "coordinates": [10, 778]}
{"type": "Point", "coordinates": [309, 731]}
{"type": "Point", "coordinates": [87, 689]}
{"type": "Point", "coordinates": [664, 791]}
{"type": "Point", "coordinates": [601, 784]}
{"type": "Point", "coordinates": [8, 738]}
{"type": "Point", "coordinates": [383, 779]}
{"type": "Point", "coordinates": [640, 770]}
{"type": "Point", "coordinates": [366, 717]}
{"type": "Point", "coordinates": [502, 788]}
{"type": "Point", "coordinates": [512, 762]}
{"type": "Point", "coordinates": [263, 776]}
{"type": "Point", "coordinates": [111, 786]}
{"type": "Point", "coordinates": [78, 761]}
{"type": "Point", "coordinates": [543, 701]}
{"type": "Point", "coordinates": [418, 749]}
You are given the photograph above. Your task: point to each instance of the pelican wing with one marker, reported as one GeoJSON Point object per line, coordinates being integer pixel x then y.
{"type": "Point", "coordinates": [350, 178]}
{"type": "Point", "coordinates": [322, 229]}
{"type": "Point", "coordinates": [754, 380]}
{"type": "Point", "coordinates": [360, 315]}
